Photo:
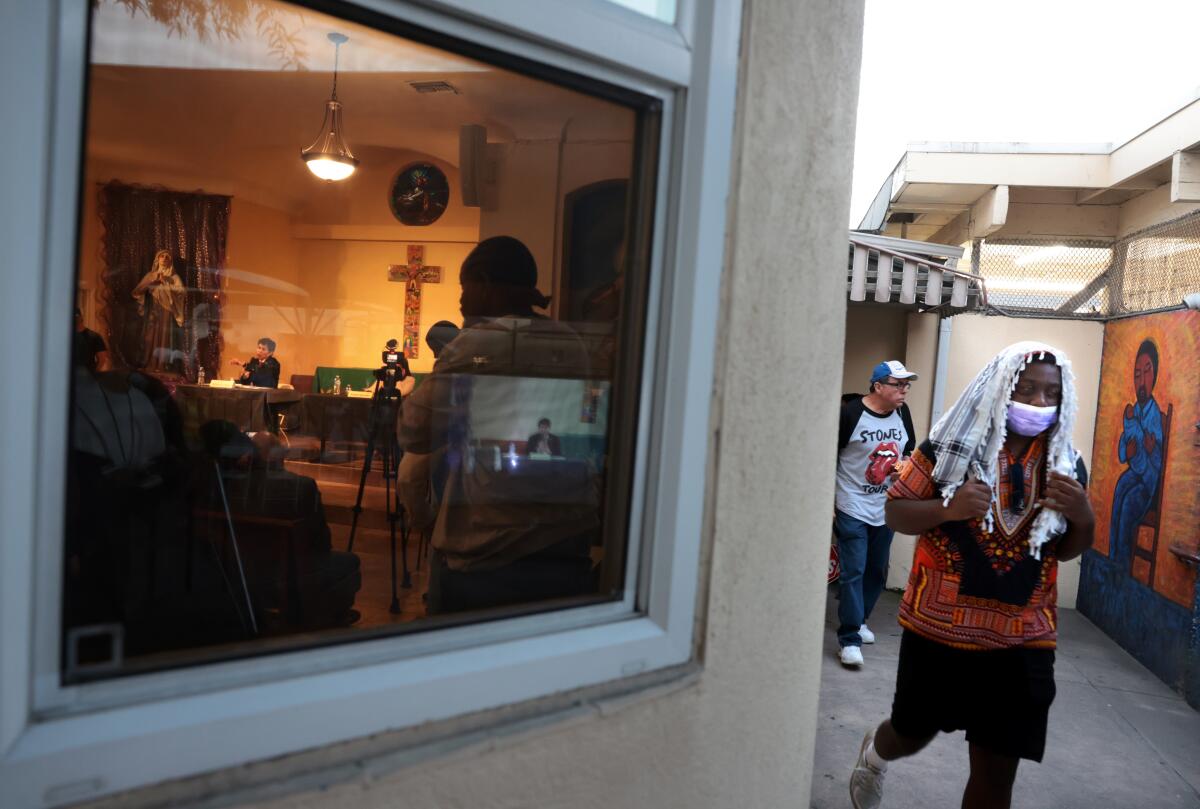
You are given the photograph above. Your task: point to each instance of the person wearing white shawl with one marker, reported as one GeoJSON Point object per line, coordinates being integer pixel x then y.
{"type": "Point", "coordinates": [968, 437]}
{"type": "Point", "coordinates": [996, 496]}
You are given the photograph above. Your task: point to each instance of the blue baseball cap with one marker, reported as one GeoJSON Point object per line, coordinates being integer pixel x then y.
{"type": "Point", "coordinates": [892, 368]}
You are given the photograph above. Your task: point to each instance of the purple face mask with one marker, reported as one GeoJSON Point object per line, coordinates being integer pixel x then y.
{"type": "Point", "coordinates": [1028, 420]}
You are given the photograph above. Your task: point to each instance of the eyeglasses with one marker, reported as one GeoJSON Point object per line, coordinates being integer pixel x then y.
{"type": "Point", "coordinates": [905, 385]}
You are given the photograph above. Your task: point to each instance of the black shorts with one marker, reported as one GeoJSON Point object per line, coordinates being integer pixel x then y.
{"type": "Point", "coordinates": [1000, 697]}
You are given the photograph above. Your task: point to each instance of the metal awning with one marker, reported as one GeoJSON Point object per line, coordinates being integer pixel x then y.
{"type": "Point", "coordinates": [904, 272]}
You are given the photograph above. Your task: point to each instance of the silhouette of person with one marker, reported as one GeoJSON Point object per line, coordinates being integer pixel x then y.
{"type": "Point", "coordinates": [88, 347]}
{"type": "Point", "coordinates": [523, 532]}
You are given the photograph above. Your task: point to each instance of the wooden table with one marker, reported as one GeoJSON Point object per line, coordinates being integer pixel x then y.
{"type": "Point", "coordinates": [249, 408]}
{"type": "Point", "coordinates": [335, 418]}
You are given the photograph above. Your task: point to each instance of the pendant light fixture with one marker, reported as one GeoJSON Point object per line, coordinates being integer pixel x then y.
{"type": "Point", "coordinates": [329, 157]}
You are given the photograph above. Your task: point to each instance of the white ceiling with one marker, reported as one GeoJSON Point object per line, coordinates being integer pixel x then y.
{"type": "Point", "coordinates": [170, 101]}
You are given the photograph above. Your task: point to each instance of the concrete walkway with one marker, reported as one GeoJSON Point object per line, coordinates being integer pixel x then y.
{"type": "Point", "coordinates": [1119, 738]}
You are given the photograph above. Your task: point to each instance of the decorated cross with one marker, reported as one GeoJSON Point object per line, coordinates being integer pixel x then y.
{"type": "Point", "coordinates": [413, 274]}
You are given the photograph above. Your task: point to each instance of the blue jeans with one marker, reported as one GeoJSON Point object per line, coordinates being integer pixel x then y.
{"type": "Point", "coordinates": [863, 551]}
{"type": "Point", "coordinates": [1130, 502]}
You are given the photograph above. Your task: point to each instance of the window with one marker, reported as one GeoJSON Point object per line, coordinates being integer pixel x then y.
{"type": "Point", "coordinates": [180, 554]}
{"type": "Point", "coordinates": [316, 407]}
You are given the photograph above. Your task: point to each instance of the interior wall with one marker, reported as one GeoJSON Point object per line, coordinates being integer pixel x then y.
{"type": "Point", "coordinates": [585, 163]}
{"type": "Point", "coordinates": [353, 308]}
{"type": "Point", "coordinates": [975, 339]}
{"type": "Point", "coordinates": [328, 300]}
{"type": "Point", "coordinates": [529, 181]}
{"type": "Point", "coordinates": [363, 199]}
{"type": "Point", "coordinates": [521, 201]}
{"type": "Point", "coordinates": [262, 285]}
{"type": "Point", "coordinates": [315, 280]}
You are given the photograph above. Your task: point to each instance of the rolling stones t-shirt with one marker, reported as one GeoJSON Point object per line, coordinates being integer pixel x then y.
{"type": "Point", "coordinates": [869, 445]}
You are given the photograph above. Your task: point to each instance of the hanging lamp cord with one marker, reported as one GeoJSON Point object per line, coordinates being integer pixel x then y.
{"type": "Point", "coordinates": [336, 50]}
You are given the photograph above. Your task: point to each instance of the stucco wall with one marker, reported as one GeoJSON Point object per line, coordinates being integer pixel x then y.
{"type": "Point", "coordinates": [874, 333]}
{"type": "Point", "coordinates": [976, 339]}
{"type": "Point", "coordinates": [743, 734]}
{"type": "Point", "coordinates": [920, 356]}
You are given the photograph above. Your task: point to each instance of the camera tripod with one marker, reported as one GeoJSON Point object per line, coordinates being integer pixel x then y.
{"type": "Point", "coordinates": [381, 427]}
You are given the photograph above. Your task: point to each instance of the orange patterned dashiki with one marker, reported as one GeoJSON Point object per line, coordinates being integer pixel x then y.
{"type": "Point", "coordinates": [973, 590]}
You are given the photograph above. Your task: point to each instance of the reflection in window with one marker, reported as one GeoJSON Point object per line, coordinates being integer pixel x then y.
{"type": "Point", "coordinates": [309, 411]}
{"type": "Point", "coordinates": [663, 10]}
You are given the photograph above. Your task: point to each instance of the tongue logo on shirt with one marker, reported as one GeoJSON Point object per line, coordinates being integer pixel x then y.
{"type": "Point", "coordinates": [881, 461]}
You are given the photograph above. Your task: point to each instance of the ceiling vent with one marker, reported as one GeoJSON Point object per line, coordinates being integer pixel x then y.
{"type": "Point", "coordinates": [433, 87]}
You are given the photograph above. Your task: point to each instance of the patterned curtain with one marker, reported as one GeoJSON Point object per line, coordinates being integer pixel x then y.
{"type": "Point", "coordinates": [138, 222]}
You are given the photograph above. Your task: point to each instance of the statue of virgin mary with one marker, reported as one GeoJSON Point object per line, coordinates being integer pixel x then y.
{"type": "Point", "coordinates": [160, 297]}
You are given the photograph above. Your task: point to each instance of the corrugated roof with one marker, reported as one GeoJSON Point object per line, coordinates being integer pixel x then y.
{"type": "Point", "coordinates": [903, 272]}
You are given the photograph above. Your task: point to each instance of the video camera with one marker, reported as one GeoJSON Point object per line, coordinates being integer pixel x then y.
{"type": "Point", "coordinates": [394, 369]}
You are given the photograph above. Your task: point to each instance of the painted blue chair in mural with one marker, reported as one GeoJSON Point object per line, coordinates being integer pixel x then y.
{"type": "Point", "coordinates": [1148, 552]}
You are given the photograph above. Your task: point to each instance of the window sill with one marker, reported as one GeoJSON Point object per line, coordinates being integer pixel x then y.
{"type": "Point", "coordinates": [382, 755]}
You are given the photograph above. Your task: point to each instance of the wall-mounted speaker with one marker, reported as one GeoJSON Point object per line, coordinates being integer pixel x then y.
{"type": "Point", "coordinates": [472, 149]}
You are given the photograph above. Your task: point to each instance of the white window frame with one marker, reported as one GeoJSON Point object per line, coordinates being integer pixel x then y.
{"type": "Point", "coordinates": [64, 744]}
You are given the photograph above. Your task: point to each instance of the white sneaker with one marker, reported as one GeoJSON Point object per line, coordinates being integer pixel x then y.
{"type": "Point", "coordinates": [851, 657]}
{"type": "Point", "coordinates": [866, 634]}
{"type": "Point", "coordinates": [866, 782]}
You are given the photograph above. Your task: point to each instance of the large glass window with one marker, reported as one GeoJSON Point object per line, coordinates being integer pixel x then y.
{"type": "Point", "coordinates": [356, 339]}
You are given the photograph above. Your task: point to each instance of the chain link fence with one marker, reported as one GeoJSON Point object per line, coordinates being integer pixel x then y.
{"type": "Point", "coordinates": [1094, 280]}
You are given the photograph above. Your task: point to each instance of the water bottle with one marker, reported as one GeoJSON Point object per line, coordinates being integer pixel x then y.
{"type": "Point", "coordinates": [200, 376]}
{"type": "Point", "coordinates": [337, 385]}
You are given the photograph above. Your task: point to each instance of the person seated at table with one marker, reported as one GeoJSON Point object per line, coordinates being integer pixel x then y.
{"type": "Point", "coordinates": [509, 535]}
{"type": "Point", "coordinates": [543, 442]}
{"type": "Point", "coordinates": [262, 370]}
{"type": "Point", "coordinates": [264, 498]}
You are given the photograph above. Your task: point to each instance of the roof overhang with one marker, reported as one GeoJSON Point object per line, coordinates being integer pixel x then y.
{"type": "Point", "coordinates": [954, 192]}
{"type": "Point", "coordinates": [911, 274]}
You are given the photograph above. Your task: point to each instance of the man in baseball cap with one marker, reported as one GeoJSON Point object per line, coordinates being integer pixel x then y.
{"type": "Point", "coordinates": [893, 368]}
{"type": "Point", "coordinates": [874, 433]}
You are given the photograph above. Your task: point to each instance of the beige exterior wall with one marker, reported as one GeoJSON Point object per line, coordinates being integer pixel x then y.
{"type": "Point", "coordinates": [1069, 221]}
{"type": "Point", "coordinates": [976, 339]}
{"type": "Point", "coordinates": [1151, 208]}
{"type": "Point", "coordinates": [740, 732]}
{"type": "Point", "coordinates": [874, 333]}
{"type": "Point", "coordinates": [921, 357]}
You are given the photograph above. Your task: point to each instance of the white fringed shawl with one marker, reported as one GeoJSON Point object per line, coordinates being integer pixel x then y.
{"type": "Point", "coordinates": [968, 437]}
